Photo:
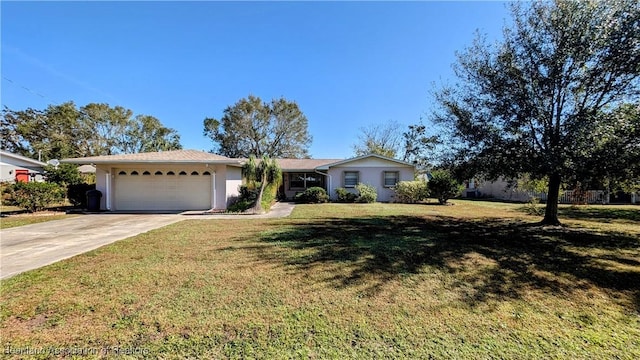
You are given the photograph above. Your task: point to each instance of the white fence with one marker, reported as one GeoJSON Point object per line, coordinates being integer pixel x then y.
{"type": "Point", "coordinates": [585, 197]}
{"type": "Point", "coordinates": [570, 197]}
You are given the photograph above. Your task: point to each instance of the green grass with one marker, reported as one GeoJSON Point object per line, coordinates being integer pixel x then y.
{"type": "Point", "coordinates": [13, 216]}
{"type": "Point", "coordinates": [473, 280]}
{"type": "Point", "coordinates": [27, 219]}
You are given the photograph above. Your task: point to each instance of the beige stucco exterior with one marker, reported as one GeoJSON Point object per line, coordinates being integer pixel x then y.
{"type": "Point", "coordinates": [200, 187]}
{"type": "Point", "coordinates": [195, 180]}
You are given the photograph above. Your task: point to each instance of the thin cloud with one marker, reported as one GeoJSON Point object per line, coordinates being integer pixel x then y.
{"type": "Point", "coordinates": [55, 72]}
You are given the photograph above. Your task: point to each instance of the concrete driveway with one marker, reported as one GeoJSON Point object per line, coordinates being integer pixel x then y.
{"type": "Point", "coordinates": [32, 246]}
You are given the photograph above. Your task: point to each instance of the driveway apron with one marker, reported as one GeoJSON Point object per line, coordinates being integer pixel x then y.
{"type": "Point", "coordinates": [32, 246]}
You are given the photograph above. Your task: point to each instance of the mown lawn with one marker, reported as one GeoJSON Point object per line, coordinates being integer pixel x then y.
{"type": "Point", "coordinates": [473, 280]}
{"type": "Point", "coordinates": [27, 219]}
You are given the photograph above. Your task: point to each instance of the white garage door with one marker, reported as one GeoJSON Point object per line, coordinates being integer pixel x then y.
{"type": "Point", "coordinates": [162, 190]}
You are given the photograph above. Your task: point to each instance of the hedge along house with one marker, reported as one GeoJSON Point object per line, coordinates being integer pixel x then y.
{"type": "Point", "coordinates": [165, 181]}
{"type": "Point", "coordinates": [196, 180]}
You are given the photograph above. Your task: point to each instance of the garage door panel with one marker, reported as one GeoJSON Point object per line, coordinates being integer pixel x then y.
{"type": "Point", "coordinates": [162, 192]}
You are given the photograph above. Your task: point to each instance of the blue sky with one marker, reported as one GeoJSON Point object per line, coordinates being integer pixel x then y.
{"type": "Point", "coordinates": [347, 65]}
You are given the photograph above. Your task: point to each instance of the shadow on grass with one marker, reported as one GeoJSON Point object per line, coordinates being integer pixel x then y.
{"type": "Point", "coordinates": [600, 213]}
{"type": "Point", "coordinates": [520, 256]}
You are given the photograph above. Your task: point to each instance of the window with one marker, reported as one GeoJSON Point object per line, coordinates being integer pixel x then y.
{"type": "Point", "coordinates": [206, 173]}
{"type": "Point", "coordinates": [171, 173]}
{"type": "Point", "coordinates": [351, 179]}
{"type": "Point", "coordinates": [182, 173]}
{"type": "Point", "coordinates": [194, 173]}
{"type": "Point", "coordinates": [122, 173]}
{"type": "Point", "coordinates": [391, 178]}
{"type": "Point", "coordinates": [299, 181]}
{"type": "Point", "coordinates": [134, 173]}
{"type": "Point", "coordinates": [146, 173]}
{"type": "Point", "coordinates": [296, 181]}
{"type": "Point", "coordinates": [313, 180]}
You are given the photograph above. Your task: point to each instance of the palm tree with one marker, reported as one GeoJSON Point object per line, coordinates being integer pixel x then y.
{"type": "Point", "coordinates": [266, 172]}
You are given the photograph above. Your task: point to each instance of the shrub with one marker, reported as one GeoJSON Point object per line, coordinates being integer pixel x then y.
{"type": "Point", "coordinates": [6, 188]}
{"type": "Point", "coordinates": [443, 186]}
{"type": "Point", "coordinates": [248, 193]}
{"type": "Point", "coordinates": [269, 196]}
{"type": "Point", "coordinates": [63, 174]}
{"type": "Point", "coordinates": [77, 194]}
{"type": "Point", "coordinates": [411, 192]}
{"type": "Point", "coordinates": [245, 200]}
{"type": "Point", "coordinates": [313, 195]}
{"type": "Point", "coordinates": [367, 193]}
{"type": "Point", "coordinates": [345, 196]}
{"type": "Point", "coordinates": [34, 196]}
{"type": "Point", "coordinates": [238, 206]}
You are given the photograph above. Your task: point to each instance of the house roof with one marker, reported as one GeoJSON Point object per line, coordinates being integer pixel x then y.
{"type": "Point", "coordinates": [195, 156]}
{"type": "Point", "coordinates": [6, 154]}
{"type": "Point", "coordinates": [172, 156]}
{"type": "Point", "coordinates": [342, 162]}
{"type": "Point", "coordinates": [86, 169]}
{"type": "Point", "coordinates": [303, 164]}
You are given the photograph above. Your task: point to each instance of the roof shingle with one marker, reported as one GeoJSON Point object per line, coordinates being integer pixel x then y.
{"type": "Point", "coordinates": [303, 164]}
{"type": "Point", "coordinates": [177, 156]}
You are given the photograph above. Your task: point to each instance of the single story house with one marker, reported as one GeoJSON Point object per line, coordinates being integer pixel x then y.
{"type": "Point", "coordinates": [196, 180]}
{"type": "Point", "coordinates": [14, 167]}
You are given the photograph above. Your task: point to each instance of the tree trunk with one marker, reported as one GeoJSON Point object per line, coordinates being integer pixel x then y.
{"type": "Point", "coordinates": [551, 211]}
{"type": "Point", "coordinates": [258, 207]}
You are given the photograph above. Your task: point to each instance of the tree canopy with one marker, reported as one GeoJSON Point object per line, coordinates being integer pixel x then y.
{"type": "Point", "coordinates": [536, 101]}
{"type": "Point", "coordinates": [612, 159]}
{"type": "Point", "coordinates": [415, 145]}
{"type": "Point", "coordinates": [62, 131]}
{"type": "Point", "coordinates": [277, 129]}
{"type": "Point", "coordinates": [382, 139]}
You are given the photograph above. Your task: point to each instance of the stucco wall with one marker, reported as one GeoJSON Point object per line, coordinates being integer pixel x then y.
{"type": "Point", "coordinates": [233, 181]}
{"type": "Point", "coordinates": [370, 175]}
{"type": "Point", "coordinates": [218, 172]}
{"type": "Point", "coordinates": [8, 171]}
{"type": "Point", "coordinates": [498, 189]}
{"type": "Point", "coordinates": [103, 175]}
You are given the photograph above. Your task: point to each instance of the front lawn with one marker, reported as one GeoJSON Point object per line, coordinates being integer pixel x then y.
{"type": "Point", "coordinates": [473, 280]}
{"type": "Point", "coordinates": [27, 219]}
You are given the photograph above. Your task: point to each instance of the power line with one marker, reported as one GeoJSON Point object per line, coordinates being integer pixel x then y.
{"type": "Point", "coordinates": [27, 89]}
{"type": "Point", "coordinates": [52, 102]}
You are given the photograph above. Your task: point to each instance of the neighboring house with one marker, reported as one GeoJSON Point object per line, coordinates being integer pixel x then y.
{"type": "Point", "coordinates": [196, 180]}
{"type": "Point", "coordinates": [498, 189]}
{"type": "Point", "coordinates": [502, 190]}
{"type": "Point", "coordinates": [14, 167]}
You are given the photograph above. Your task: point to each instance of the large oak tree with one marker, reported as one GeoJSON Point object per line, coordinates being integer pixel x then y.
{"type": "Point", "coordinates": [277, 129]}
{"type": "Point", "coordinates": [533, 102]}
